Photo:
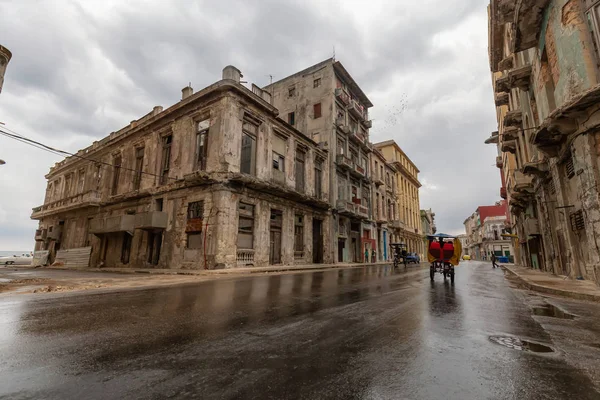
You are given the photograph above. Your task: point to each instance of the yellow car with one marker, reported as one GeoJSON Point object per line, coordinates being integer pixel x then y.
{"type": "Point", "coordinates": [466, 257]}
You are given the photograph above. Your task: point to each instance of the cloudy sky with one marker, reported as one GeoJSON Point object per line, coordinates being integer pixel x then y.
{"type": "Point", "coordinates": [82, 69]}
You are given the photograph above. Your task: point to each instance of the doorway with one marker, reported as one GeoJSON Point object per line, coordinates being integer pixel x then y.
{"type": "Point", "coordinates": [154, 245]}
{"type": "Point", "coordinates": [317, 226]}
{"type": "Point", "coordinates": [275, 237]}
{"type": "Point", "coordinates": [341, 246]}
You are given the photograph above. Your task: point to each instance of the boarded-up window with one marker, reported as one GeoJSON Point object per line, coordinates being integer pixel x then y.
{"type": "Point", "coordinates": [202, 144]}
{"type": "Point", "coordinates": [193, 227]}
{"type": "Point", "coordinates": [300, 160]}
{"type": "Point", "coordinates": [317, 110]}
{"type": "Point", "coordinates": [116, 174]}
{"type": "Point", "coordinates": [166, 159]}
{"type": "Point", "coordinates": [139, 165]}
{"type": "Point", "coordinates": [245, 239]}
{"type": "Point", "coordinates": [299, 236]}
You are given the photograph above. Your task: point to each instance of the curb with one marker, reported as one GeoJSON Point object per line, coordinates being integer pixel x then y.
{"type": "Point", "coordinates": [554, 291]}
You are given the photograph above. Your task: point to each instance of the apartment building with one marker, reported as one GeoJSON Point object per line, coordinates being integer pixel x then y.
{"type": "Point", "coordinates": [407, 185]}
{"type": "Point", "coordinates": [217, 180]}
{"type": "Point", "coordinates": [544, 59]}
{"type": "Point", "coordinates": [5, 56]}
{"type": "Point", "coordinates": [385, 204]}
{"type": "Point", "coordinates": [487, 233]}
{"type": "Point", "coordinates": [327, 105]}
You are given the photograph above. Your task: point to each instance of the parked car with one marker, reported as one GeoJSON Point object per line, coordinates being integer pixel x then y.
{"type": "Point", "coordinates": [466, 257]}
{"type": "Point", "coordinates": [24, 259]}
{"type": "Point", "coordinates": [413, 258]}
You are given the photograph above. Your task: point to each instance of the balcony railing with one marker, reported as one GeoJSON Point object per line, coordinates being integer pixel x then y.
{"type": "Point", "coordinates": [245, 257]}
{"type": "Point", "coordinates": [341, 124]}
{"type": "Point", "coordinates": [362, 211]}
{"type": "Point", "coordinates": [342, 96]}
{"type": "Point", "coordinates": [522, 182]}
{"type": "Point", "coordinates": [344, 161]}
{"type": "Point", "coordinates": [86, 199]}
{"type": "Point", "coordinates": [344, 206]}
{"type": "Point", "coordinates": [357, 110]}
{"type": "Point", "coordinates": [377, 180]}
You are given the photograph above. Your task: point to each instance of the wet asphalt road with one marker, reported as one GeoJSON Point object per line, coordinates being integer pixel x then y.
{"type": "Point", "coordinates": [364, 333]}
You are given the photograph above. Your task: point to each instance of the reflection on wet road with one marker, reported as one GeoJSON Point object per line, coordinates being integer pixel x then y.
{"type": "Point", "coordinates": [354, 333]}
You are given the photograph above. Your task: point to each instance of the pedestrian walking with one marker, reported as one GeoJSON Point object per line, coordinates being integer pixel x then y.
{"type": "Point", "coordinates": [494, 265]}
{"type": "Point", "coordinates": [373, 256]}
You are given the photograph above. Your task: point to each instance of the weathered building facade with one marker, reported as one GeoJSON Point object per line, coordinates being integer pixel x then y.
{"type": "Point", "coordinates": [486, 233]}
{"type": "Point", "coordinates": [428, 226]}
{"type": "Point", "coordinates": [215, 181]}
{"type": "Point", "coordinates": [327, 105]}
{"type": "Point", "coordinates": [407, 183]}
{"type": "Point", "coordinates": [544, 60]}
{"type": "Point", "coordinates": [5, 56]}
{"type": "Point", "coordinates": [385, 204]}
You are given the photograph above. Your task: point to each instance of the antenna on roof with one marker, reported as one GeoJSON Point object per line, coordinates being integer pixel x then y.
{"type": "Point", "coordinates": [334, 52]}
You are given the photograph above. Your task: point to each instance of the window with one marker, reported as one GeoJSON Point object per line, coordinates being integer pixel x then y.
{"type": "Point", "coordinates": [116, 174]}
{"type": "Point", "coordinates": [298, 236]}
{"type": "Point", "coordinates": [193, 228]}
{"type": "Point", "coordinates": [154, 246]}
{"type": "Point", "coordinates": [342, 186]}
{"type": "Point", "coordinates": [570, 168]}
{"type": "Point", "coordinates": [248, 156]}
{"type": "Point", "coordinates": [341, 146]}
{"type": "Point", "coordinates": [81, 180]}
{"type": "Point", "coordinates": [245, 239]}
{"type": "Point", "coordinates": [139, 165]}
{"type": "Point", "coordinates": [292, 118]}
{"type": "Point", "coordinates": [318, 178]}
{"type": "Point", "coordinates": [593, 16]}
{"type": "Point", "coordinates": [292, 91]}
{"type": "Point", "coordinates": [317, 83]}
{"type": "Point", "coordinates": [68, 180]}
{"type": "Point", "coordinates": [158, 204]}
{"type": "Point", "coordinates": [126, 248]}
{"type": "Point", "coordinates": [300, 158]}
{"type": "Point", "coordinates": [377, 205]}
{"type": "Point", "coordinates": [202, 144]}
{"type": "Point", "coordinates": [317, 110]}
{"type": "Point", "coordinates": [166, 158]}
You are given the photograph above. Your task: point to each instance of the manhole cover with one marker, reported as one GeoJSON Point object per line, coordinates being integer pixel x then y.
{"type": "Point", "coordinates": [549, 310]}
{"type": "Point", "coordinates": [518, 344]}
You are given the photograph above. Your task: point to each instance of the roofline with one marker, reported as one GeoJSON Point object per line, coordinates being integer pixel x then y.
{"type": "Point", "coordinates": [142, 123]}
{"type": "Point", "coordinates": [6, 51]}
{"type": "Point", "coordinates": [304, 71]}
{"type": "Point", "coordinates": [393, 142]}
{"type": "Point", "coordinates": [339, 67]}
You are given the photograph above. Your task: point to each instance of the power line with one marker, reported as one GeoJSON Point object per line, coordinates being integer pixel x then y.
{"type": "Point", "coordinates": [63, 153]}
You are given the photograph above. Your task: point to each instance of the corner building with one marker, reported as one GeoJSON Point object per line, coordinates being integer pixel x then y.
{"type": "Point", "coordinates": [217, 180]}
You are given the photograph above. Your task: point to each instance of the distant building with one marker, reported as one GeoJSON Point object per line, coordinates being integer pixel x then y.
{"type": "Point", "coordinates": [484, 232]}
{"type": "Point", "coordinates": [5, 56]}
{"type": "Point", "coordinates": [427, 225]}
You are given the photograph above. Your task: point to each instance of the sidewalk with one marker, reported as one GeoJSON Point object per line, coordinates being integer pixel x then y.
{"type": "Point", "coordinates": [552, 284]}
{"type": "Point", "coordinates": [231, 271]}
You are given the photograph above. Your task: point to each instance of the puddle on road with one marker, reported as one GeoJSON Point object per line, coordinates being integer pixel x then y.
{"type": "Point", "coordinates": [523, 345]}
{"type": "Point", "coordinates": [548, 310]}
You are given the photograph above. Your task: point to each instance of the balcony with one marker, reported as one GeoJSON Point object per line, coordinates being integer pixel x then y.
{"type": "Point", "coordinates": [499, 162]}
{"type": "Point", "coordinates": [509, 146]}
{"type": "Point", "coordinates": [55, 232]}
{"type": "Point", "coordinates": [342, 96]}
{"type": "Point", "coordinates": [120, 223]}
{"type": "Point", "coordinates": [377, 180]}
{"type": "Point", "coordinates": [493, 139]}
{"type": "Point", "coordinates": [536, 168]}
{"type": "Point", "coordinates": [527, 23]}
{"type": "Point", "coordinates": [510, 133]}
{"type": "Point", "coordinates": [362, 211]}
{"type": "Point", "coordinates": [357, 110]}
{"type": "Point", "coordinates": [345, 207]}
{"type": "Point", "coordinates": [368, 123]}
{"type": "Point", "coordinates": [502, 85]}
{"type": "Point", "coordinates": [359, 171]}
{"type": "Point", "coordinates": [532, 226]}
{"type": "Point", "coordinates": [342, 126]}
{"type": "Point", "coordinates": [82, 200]}
{"type": "Point", "coordinates": [397, 224]}
{"type": "Point", "coordinates": [520, 77]}
{"type": "Point", "coordinates": [151, 220]}
{"type": "Point", "coordinates": [41, 235]}
{"type": "Point", "coordinates": [344, 162]}
{"type": "Point", "coordinates": [503, 193]}
{"type": "Point", "coordinates": [501, 99]}
{"type": "Point", "coordinates": [513, 118]}
{"type": "Point", "coordinates": [523, 183]}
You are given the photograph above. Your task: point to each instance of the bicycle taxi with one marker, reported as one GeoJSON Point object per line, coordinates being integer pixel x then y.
{"type": "Point", "coordinates": [443, 253]}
